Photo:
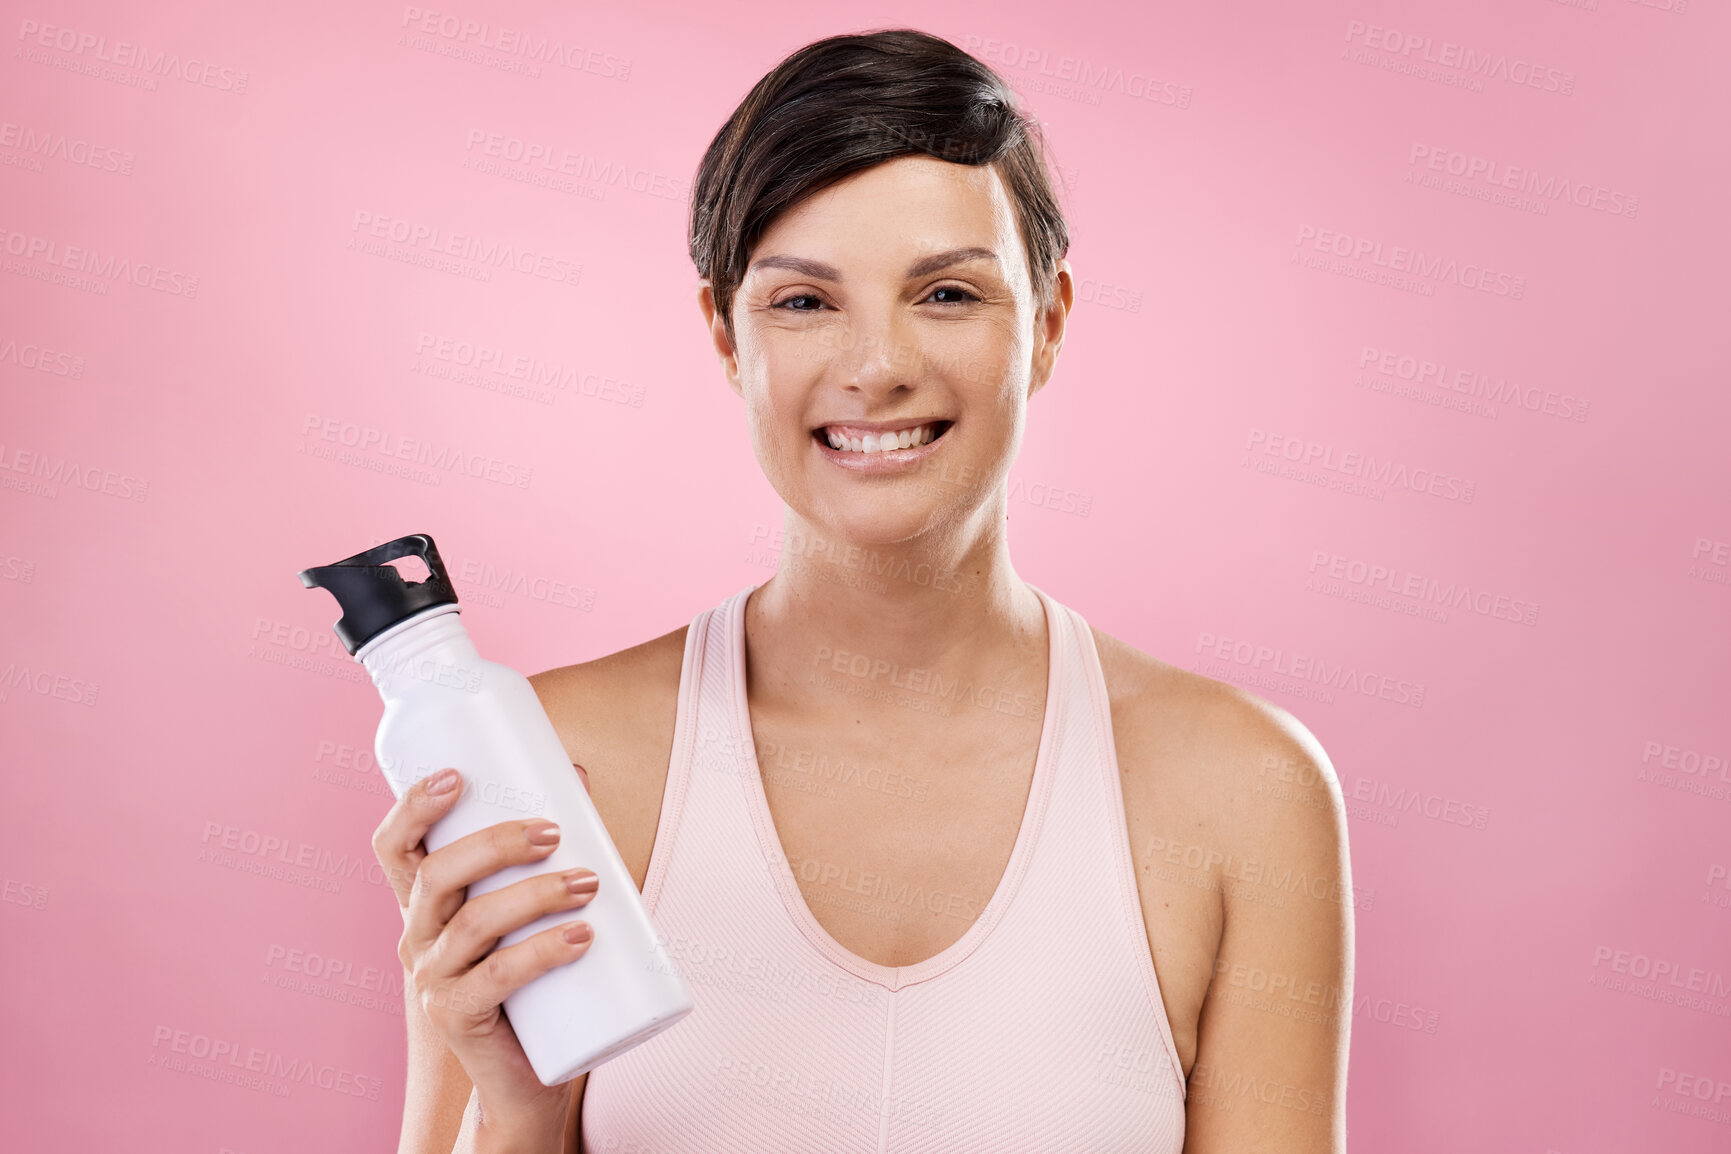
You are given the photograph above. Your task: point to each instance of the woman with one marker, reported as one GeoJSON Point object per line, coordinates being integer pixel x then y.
{"type": "Point", "coordinates": [945, 869]}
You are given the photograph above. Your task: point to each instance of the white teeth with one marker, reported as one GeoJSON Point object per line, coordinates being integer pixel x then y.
{"type": "Point", "coordinates": [878, 443]}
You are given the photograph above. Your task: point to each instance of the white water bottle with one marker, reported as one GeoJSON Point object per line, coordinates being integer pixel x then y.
{"type": "Point", "coordinates": [446, 706]}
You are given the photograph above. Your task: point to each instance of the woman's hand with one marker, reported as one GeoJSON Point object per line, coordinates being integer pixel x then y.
{"type": "Point", "coordinates": [446, 942]}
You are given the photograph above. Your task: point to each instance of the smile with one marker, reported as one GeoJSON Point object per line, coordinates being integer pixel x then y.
{"type": "Point", "coordinates": [864, 439]}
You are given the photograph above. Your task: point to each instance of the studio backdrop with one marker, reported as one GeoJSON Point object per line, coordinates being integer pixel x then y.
{"type": "Point", "coordinates": [1394, 393]}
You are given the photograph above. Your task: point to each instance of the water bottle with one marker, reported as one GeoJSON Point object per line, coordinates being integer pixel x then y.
{"type": "Point", "coordinates": [446, 706]}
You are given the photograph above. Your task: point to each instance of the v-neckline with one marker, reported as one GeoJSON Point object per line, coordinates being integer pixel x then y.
{"type": "Point", "coordinates": [769, 840]}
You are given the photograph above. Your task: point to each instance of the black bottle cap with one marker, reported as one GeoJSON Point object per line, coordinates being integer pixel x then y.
{"type": "Point", "coordinates": [373, 595]}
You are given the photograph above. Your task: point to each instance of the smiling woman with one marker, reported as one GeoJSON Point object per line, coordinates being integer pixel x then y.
{"type": "Point", "coordinates": [946, 868]}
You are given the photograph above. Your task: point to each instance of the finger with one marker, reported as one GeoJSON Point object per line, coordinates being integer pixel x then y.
{"type": "Point", "coordinates": [477, 927]}
{"type": "Point", "coordinates": [442, 876]}
{"type": "Point", "coordinates": [475, 996]}
{"type": "Point", "coordinates": [397, 840]}
{"type": "Point", "coordinates": [582, 775]}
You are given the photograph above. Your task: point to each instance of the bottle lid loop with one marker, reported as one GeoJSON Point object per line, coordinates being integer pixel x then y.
{"type": "Point", "coordinates": [373, 594]}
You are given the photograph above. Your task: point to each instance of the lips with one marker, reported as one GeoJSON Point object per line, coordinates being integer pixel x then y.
{"type": "Point", "coordinates": [880, 436]}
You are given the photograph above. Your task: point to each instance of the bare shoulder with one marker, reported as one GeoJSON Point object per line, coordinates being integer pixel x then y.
{"type": "Point", "coordinates": [615, 715]}
{"type": "Point", "coordinates": [1238, 829]}
{"type": "Point", "coordinates": [1244, 769]}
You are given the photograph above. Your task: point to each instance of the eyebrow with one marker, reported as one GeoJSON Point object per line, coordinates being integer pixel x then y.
{"type": "Point", "coordinates": [925, 265]}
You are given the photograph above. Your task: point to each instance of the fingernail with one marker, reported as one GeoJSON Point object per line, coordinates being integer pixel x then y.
{"type": "Point", "coordinates": [582, 881]}
{"type": "Point", "coordinates": [442, 781]}
{"type": "Point", "coordinates": [542, 833]}
{"type": "Point", "coordinates": [579, 932]}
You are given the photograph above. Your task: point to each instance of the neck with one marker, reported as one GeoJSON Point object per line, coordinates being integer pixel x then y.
{"type": "Point", "coordinates": [949, 602]}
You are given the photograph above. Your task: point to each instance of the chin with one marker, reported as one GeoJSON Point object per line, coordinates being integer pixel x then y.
{"type": "Point", "coordinates": [867, 522]}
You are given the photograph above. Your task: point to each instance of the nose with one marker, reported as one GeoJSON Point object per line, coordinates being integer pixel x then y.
{"type": "Point", "coordinates": [885, 357]}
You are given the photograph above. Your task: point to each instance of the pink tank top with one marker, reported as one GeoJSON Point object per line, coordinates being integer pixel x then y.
{"type": "Point", "coordinates": [1041, 1029]}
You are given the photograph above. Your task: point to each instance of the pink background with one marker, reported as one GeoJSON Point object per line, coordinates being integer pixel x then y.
{"type": "Point", "coordinates": [170, 686]}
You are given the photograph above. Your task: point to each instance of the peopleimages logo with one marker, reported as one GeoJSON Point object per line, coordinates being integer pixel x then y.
{"type": "Point", "coordinates": [1421, 587]}
{"type": "Point", "coordinates": [241, 1060]}
{"type": "Point", "coordinates": [1689, 1094]}
{"type": "Point", "coordinates": [485, 575]}
{"type": "Point", "coordinates": [1472, 384]}
{"type": "Point", "coordinates": [563, 161]}
{"type": "Point", "coordinates": [1397, 800]}
{"type": "Point", "coordinates": [460, 30]}
{"type": "Point", "coordinates": [47, 683]}
{"type": "Point", "coordinates": [1269, 663]}
{"type": "Point", "coordinates": [49, 145]}
{"type": "Point", "coordinates": [87, 46]}
{"type": "Point", "coordinates": [333, 979]}
{"type": "Point", "coordinates": [1089, 78]}
{"type": "Point", "coordinates": [383, 450]}
{"type": "Point", "coordinates": [1688, 761]}
{"type": "Point", "coordinates": [1496, 176]}
{"type": "Point", "coordinates": [424, 243]}
{"type": "Point", "coordinates": [90, 262]}
{"type": "Point", "coordinates": [286, 859]}
{"type": "Point", "coordinates": [1411, 262]}
{"type": "Point", "coordinates": [862, 666]}
{"type": "Point", "coordinates": [1391, 1012]}
{"type": "Point", "coordinates": [40, 358]}
{"type": "Point", "coordinates": [1663, 971]}
{"type": "Point", "coordinates": [495, 369]}
{"type": "Point", "coordinates": [44, 473]}
{"type": "Point", "coordinates": [1355, 470]}
{"type": "Point", "coordinates": [1413, 48]}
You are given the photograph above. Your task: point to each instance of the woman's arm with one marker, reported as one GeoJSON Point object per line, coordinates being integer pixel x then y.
{"type": "Point", "coordinates": [616, 714]}
{"type": "Point", "coordinates": [1271, 1059]}
{"type": "Point", "coordinates": [454, 983]}
{"type": "Point", "coordinates": [438, 1088]}
{"type": "Point", "coordinates": [439, 1105]}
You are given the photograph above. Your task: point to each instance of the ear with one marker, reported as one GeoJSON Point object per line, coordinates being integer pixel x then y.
{"type": "Point", "coordinates": [1050, 326]}
{"type": "Point", "coordinates": [724, 350]}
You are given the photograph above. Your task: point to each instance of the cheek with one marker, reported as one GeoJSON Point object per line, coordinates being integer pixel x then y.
{"type": "Point", "coordinates": [760, 421]}
{"type": "Point", "coordinates": [774, 421]}
{"type": "Point", "coordinates": [990, 373]}
{"type": "Point", "coordinates": [779, 381]}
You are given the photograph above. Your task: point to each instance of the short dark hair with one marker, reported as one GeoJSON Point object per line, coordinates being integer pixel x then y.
{"type": "Point", "coordinates": [844, 104]}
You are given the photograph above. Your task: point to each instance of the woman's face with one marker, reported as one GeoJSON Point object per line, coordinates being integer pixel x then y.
{"type": "Point", "coordinates": [886, 343]}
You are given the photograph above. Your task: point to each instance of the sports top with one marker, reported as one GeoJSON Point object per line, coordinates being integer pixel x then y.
{"type": "Point", "coordinates": [1040, 1029]}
